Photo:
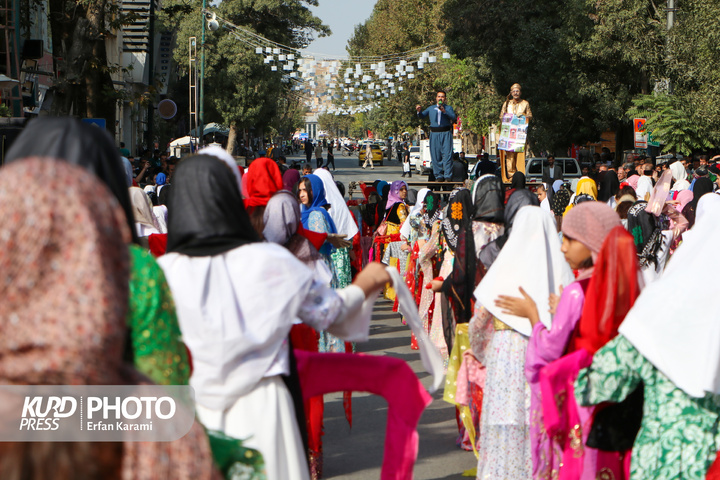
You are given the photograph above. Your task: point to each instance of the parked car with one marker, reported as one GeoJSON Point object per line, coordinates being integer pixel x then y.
{"type": "Point", "coordinates": [377, 154]}
{"type": "Point", "coordinates": [534, 168]}
{"type": "Point", "coordinates": [415, 158]}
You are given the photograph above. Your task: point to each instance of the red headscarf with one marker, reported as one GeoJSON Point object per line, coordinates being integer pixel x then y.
{"type": "Point", "coordinates": [612, 291]}
{"type": "Point", "coordinates": [260, 182]}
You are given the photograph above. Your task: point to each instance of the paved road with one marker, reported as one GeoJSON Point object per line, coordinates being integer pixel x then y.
{"type": "Point", "coordinates": [347, 170]}
{"type": "Point", "coordinates": [356, 454]}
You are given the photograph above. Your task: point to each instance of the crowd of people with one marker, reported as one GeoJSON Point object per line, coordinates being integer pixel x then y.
{"type": "Point", "coordinates": [572, 343]}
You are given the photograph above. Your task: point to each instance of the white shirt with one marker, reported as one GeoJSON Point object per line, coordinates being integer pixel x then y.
{"type": "Point", "coordinates": [236, 309]}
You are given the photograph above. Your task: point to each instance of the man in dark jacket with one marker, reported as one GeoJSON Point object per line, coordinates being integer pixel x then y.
{"type": "Point", "coordinates": [551, 172]}
{"type": "Point", "coordinates": [459, 169]}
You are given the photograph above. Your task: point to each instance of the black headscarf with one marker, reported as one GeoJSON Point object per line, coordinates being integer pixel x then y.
{"type": "Point", "coordinates": [489, 200]}
{"type": "Point", "coordinates": [460, 284]}
{"type": "Point", "coordinates": [432, 209]}
{"type": "Point", "coordinates": [608, 186]}
{"type": "Point", "coordinates": [517, 200]}
{"type": "Point", "coordinates": [88, 146]}
{"type": "Point", "coordinates": [206, 215]}
{"type": "Point", "coordinates": [646, 232]}
{"type": "Point", "coordinates": [518, 181]}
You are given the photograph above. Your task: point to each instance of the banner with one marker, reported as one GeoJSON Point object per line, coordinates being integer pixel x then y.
{"type": "Point", "coordinates": [513, 133]}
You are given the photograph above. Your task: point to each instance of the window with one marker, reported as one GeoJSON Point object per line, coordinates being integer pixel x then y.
{"type": "Point", "coordinates": [570, 167]}
{"type": "Point", "coordinates": [535, 167]}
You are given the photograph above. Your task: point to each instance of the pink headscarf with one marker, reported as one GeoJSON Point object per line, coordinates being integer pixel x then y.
{"type": "Point", "coordinates": [684, 197]}
{"type": "Point", "coordinates": [589, 223]}
{"type": "Point", "coordinates": [633, 181]}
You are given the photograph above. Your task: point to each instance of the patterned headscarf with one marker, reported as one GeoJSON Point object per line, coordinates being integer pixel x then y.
{"type": "Point", "coordinates": [65, 264]}
{"type": "Point", "coordinates": [432, 209]}
{"type": "Point", "coordinates": [457, 228]}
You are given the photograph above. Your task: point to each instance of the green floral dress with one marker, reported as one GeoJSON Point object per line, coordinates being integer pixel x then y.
{"type": "Point", "coordinates": [158, 351]}
{"type": "Point", "coordinates": [678, 438]}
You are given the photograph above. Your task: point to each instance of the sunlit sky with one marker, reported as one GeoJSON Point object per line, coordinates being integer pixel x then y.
{"type": "Point", "coordinates": [341, 16]}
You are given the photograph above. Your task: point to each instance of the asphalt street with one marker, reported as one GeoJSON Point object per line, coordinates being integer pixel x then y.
{"type": "Point", "coordinates": [356, 453]}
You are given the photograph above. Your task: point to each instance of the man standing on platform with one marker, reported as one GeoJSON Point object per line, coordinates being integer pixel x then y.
{"type": "Point", "coordinates": [442, 118]}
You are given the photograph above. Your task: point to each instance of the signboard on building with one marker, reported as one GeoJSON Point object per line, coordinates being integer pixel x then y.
{"type": "Point", "coordinates": [100, 122]}
{"type": "Point", "coordinates": [641, 137]}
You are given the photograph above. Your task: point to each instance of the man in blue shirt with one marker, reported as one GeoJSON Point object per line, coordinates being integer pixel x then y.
{"type": "Point", "coordinates": [442, 118]}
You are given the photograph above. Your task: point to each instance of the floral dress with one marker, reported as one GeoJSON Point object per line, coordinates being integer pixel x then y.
{"type": "Point", "coordinates": [504, 446]}
{"type": "Point", "coordinates": [678, 437]}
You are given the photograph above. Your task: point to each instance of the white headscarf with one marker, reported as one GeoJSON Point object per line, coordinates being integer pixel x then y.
{"type": "Point", "coordinates": [672, 326]}
{"type": "Point", "coordinates": [339, 212]}
{"type": "Point", "coordinates": [142, 208]}
{"type": "Point", "coordinates": [680, 176]}
{"type": "Point", "coordinates": [405, 229]}
{"type": "Point", "coordinates": [221, 153]}
{"type": "Point", "coordinates": [531, 259]}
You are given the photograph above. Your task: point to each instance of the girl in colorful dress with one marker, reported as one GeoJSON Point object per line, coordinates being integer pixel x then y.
{"type": "Point", "coordinates": [529, 259]}
{"type": "Point", "coordinates": [667, 347]}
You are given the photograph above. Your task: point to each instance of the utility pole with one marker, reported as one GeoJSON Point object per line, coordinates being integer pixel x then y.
{"type": "Point", "coordinates": [201, 127]}
{"type": "Point", "coordinates": [151, 78]}
{"type": "Point", "coordinates": [670, 25]}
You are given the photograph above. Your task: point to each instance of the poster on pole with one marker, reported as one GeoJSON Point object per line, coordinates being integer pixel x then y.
{"type": "Point", "coordinates": [641, 137]}
{"type": "Point", "coordinates": [513, 133]}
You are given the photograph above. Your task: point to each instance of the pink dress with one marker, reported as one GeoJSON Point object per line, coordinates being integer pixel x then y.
{"type": "Point", "coordinates": [545, 347]}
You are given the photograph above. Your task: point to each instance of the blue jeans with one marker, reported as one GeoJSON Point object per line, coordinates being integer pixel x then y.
{"type": "Point", "coordinates": [441, 152]}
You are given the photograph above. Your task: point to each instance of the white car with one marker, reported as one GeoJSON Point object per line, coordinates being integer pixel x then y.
{"type": "Point", "coordinates": [415, 158]}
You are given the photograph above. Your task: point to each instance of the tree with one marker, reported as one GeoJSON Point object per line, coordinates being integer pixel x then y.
{"type": "Point", "coordinates": [83, 83]}
{"type": "Point", "coordinates": [240, 89]}
{"type": "Point", "coordinates": [671, 122]}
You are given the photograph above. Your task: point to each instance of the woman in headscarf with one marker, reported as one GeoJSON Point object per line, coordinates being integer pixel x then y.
{"type": "Point", "coordinates": [260, 183]}
{"type": "Point", "coordinates": [530, 261]}
{"type": "Point", "coordinates": [75, 252]}
{"type": "Point", "coordinates": [703, 186]}
{"type": "Point", "coordinates": [560, 201]}
{"type": "Point", "coordinates": [281, 225]}
{"type": "Point", "coordinates": [415, 233]}
{"type": "Point", "coordinates": [235, 323]}
{"type": "Point", "coordinates": [345, 224]}
{"type": "Point", "coordinates": [584, 231]}
{"type": "Point", "coordinates": [154, 343]}
{"type": "Point", "coordinates": [674, 363]}
{"type": "Point", "coordinates": [586, 187]}
{"type": "Point", "coordinates": [516, 183]}
{"type": "Point", "coordinates": [291, 179]}
{"type": "Point", "coordinates": [145, 221]}
{"type": "Point", "coordinates": [656, 227]}
{"type": "Point", "coordinates": [428, 259]}
{"type": "Point", "coordinates": [396, 213]}
{"type": "Point", "coordinates": [486, 217]}
{"type": "Point", "coordinates": [608, 186]}
{"type": "Point", "coordinates": [679, 176]}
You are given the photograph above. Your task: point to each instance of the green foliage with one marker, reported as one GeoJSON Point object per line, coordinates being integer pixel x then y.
{"type": "Point", "coordinates": [240, 89]}
{"type": "Point", "coordinates": [402, 25]}
{"type": "Point", "coordinates": [582, 62]}
{"type": "Point", "coordinates": [671, 122]}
